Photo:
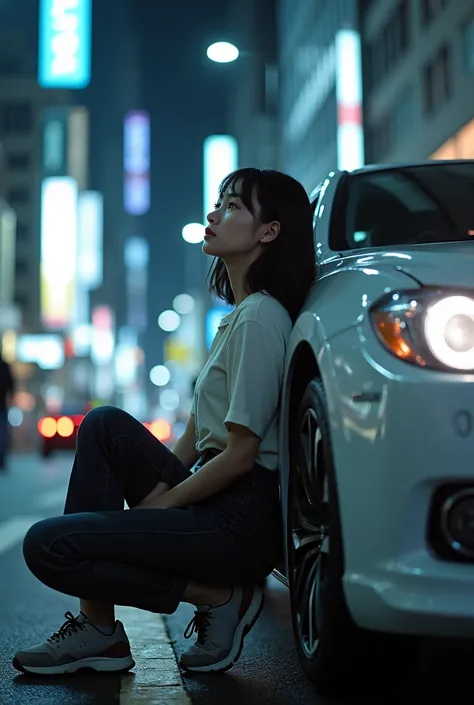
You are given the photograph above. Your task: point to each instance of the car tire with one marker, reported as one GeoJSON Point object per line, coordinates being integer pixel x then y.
{"type": "Point", "coordinates": [334, 652]}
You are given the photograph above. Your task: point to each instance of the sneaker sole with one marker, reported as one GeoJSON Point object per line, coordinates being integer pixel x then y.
{"type": "Point", "coordinates": [243, 628]}
{"type": "Point", "coordinates": [106, 665]}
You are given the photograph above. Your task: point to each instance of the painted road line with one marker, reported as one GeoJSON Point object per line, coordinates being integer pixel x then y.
{"type": "Point", "coordinates": [156, 678]}
{"type": "Point", "coordinates": [13, 530]}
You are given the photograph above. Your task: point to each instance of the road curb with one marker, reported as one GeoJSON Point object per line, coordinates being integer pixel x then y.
{"type": "Point", "coordinates": [156, 678]}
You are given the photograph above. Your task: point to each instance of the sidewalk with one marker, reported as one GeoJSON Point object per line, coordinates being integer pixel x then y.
{"type": "Point", "coordinates": [156, 678]}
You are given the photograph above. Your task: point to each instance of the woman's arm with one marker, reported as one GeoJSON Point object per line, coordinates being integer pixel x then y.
{"type": "Point", "coordinates": [185, 446]}
{"type": "Point", "coordinates": [236, 460]}
{"type": "Point", "coordinates": [254, 365]}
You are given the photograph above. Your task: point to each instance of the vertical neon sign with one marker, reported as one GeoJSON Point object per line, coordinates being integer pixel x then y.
{"type": "Point", "coordinates": [65, 43]}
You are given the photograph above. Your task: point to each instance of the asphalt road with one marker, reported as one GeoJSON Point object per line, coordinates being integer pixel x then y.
{"type": "Point", "coordinates": [267, 672]}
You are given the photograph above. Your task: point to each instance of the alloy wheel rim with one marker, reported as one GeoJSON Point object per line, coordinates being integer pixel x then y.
{"type": "Point", "coordinates": [309, 532]}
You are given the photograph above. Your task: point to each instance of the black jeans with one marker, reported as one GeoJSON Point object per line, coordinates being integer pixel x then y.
{"type": "Point", "coordinates": [145, 557]}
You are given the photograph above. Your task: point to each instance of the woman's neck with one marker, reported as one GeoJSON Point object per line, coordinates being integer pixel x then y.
{"type": "Point", "coordinates": [236, 273]}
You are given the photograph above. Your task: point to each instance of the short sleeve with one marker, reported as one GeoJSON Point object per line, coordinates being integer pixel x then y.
{"type": "Point", "coordinates": [255, 365]}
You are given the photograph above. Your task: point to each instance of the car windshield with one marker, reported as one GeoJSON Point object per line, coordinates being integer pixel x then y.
{"type": "Point", "coordinates": [409, 205]}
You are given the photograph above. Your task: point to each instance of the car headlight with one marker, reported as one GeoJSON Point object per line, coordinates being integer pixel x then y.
{"type": "Point", "coordinates": [430, 328]}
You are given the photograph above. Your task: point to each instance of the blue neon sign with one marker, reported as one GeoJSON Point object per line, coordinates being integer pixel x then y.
{"type": "Point", "coordinates": [64, 43]}
{"type": "Point", "coordinates": [213, 318]}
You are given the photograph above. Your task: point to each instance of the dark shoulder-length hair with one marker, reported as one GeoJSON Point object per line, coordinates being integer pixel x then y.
{"type": "Point", "coordinates": [287, 267]}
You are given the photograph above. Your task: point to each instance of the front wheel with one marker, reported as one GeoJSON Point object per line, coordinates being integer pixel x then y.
{"type": "Point", "coordinates": [332, 649]}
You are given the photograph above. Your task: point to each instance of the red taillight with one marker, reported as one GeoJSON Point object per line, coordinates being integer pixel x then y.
{"type": "Point", "coordinates": [47, 427]}
{"type": "Point", "coordinates": [65, 426]}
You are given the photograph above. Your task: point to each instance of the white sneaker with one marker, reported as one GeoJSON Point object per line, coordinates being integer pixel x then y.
{"type": "Point", "coordinates": [221, 631]}
{"type": "Point", "coordinates": [78, 644]}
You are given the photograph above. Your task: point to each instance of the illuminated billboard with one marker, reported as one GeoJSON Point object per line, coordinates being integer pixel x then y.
{"type": "Point", "coordinates": [58, 251]}
{"type": "Point", "coordinates": [78, 145]}
{"type": "Point", "coordinates": [103, 335]}
{"type": "Point", "coordinates": [54, 141]}
{"type": "Point", "coordinates": [65, 143]}
{"type": "Point", "coordinates": [47, 351]}
{"type": "Point", "coordinates": [64, 43]}
{"type": "Point", "coordinates": [220, 158]}
{"type": "Point", "coordinates": [350, 132]}
{"type": "Point", "coordinates": [90, 239]}
{"type": "Point", "coordinates": [136, 162]}
{"type": "Point", "coordinates": [137, 256]}
{"type": "Point", "coordinates": [7, 252]}
{"type": "Point", "coordinates": [214, 317]}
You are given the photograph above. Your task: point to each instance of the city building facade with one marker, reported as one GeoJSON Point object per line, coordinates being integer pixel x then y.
{"type": "Point", "coordinates": [418, 79]}
{"type": "Point", "coordinates": [22, 103]}
{"type": "Point", "coordinates": [253, 83]}
{"type": "Point", "coordinates": [317, 116]}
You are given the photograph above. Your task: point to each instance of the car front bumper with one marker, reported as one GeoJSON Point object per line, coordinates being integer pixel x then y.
{"type": "Point", "coordinates": [399, 433]}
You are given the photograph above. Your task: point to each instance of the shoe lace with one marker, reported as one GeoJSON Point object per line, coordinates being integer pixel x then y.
{"type": "Point", "coordinates": [199, 625]}
{"type": "Point", "coordinates": [70, 626]}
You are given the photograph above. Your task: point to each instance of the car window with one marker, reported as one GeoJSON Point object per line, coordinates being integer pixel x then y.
{"type": "Point", "coordinates": [429, 203]}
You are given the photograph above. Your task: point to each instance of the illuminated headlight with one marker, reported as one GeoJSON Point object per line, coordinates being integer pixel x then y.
{"type": "Point", "coordinates": [428, 327]}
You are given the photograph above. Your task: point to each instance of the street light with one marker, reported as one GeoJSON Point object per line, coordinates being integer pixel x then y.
{"type": "Point", "coordinates": [169, 399]}
{"type": "Point", "coordinates": [160, 375]}
{"type": "Point", "coordinates": [193, 233]}
{"type": "Point", "coordinates": [222, 52]}
{"type": "Point", "coordinates": [184, 304]}
{"type": "Point", "coordinates": [169, 321]}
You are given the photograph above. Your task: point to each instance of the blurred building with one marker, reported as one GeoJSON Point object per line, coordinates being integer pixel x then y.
{"type": "Point", "coordinates": [9, 313]}
{"type": "Point", "coordinates": [289, 105]}
{"type": "Point", "coordinates": [320, 88]}
{"type": "Point", "coordinates": [418, 79]}
{"type": "Point", "coordinates": [22, 102]}
{"type": "Point", "coordinates": [253, 82]}
{"type": "Point", "coordinates": [10, 316]}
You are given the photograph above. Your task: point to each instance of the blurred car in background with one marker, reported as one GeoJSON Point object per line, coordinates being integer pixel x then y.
{"type": "Point", "coordinates": [59, 431]}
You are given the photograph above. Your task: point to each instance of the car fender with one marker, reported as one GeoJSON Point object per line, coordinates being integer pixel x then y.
{"type": "Point", "coordinates": [336, 303]}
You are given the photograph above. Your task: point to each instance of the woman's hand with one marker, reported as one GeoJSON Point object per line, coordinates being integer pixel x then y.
{"type": "Point", "coordinates": [219, 472]}
{"type": "Point", "coordinates": [154, 500]}
{"type": "Point", "coordinates": [156, 503]}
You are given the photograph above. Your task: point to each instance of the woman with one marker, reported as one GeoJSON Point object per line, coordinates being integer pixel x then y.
{"type": "Point", "coordinates": [209, 537]}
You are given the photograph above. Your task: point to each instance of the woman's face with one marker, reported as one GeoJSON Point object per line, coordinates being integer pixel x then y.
{"type": "Point", "coordinates": [233, 231]}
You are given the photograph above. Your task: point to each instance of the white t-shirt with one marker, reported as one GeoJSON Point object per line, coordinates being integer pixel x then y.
{"type": "Point", "coordinates": [241, 380]}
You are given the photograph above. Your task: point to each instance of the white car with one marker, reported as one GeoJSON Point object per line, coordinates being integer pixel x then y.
{"type": "Point", "coordinates": [377, 443]}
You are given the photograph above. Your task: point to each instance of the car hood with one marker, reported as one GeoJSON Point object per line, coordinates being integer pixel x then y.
{"type": "Point", "coordinates": [441, 264]}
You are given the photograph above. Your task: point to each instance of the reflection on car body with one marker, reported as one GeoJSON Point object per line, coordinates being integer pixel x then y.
{"type": "Point", "coordinates": [376, 479]}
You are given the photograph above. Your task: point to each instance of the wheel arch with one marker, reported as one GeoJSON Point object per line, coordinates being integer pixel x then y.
{"type": "Point", "coordinates": [303, 368]}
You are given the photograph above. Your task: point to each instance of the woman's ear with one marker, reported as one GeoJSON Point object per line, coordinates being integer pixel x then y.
{"type": "Point", "coordinates": [272, 230]}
